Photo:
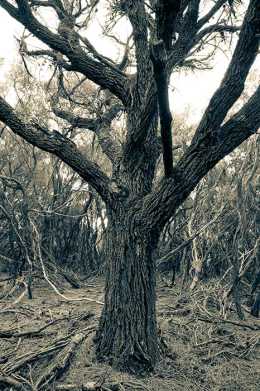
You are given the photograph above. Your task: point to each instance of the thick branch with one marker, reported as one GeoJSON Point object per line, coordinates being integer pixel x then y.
{"type": "Point", "coordinates": [167, 11]}
{"type": "Point", "coordinates": [96, 71]}
{"type": "Point", "coordinates": [206, 18]}
{"type": "Point", "coordinates": [198, 160]}
{"type": "Point", "coordinates": [161, 79]}
{"type": "Point", "coordinates": [232, 84]}
{"type": "Point", "coordinates": [62, 147]}
{"type": "Point", "coordinates": [215, 28]}
{"type": "Point", "coordinates": [138, 135]}
{"type": "Point", "coordinates": [138, 19]}
{"type": "Point", "coordinates": [76, 121]}
{"type": "Point", "coordinates": [186, 40]}
{"type": "Point", "coordinates": [101, 126]}
{"type": "Point", "coordinates": [55, 56]}
{"type": "Point", "coordinates": [57, 6]}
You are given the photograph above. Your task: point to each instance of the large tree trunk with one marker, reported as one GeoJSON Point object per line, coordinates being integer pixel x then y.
{"type": "Point", "coordinates": [127, 334]}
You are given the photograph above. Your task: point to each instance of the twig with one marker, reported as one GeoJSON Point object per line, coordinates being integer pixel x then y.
{"type": "Point", "coordinates": [253, 327]}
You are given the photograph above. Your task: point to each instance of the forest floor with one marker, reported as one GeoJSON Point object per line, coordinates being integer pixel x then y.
{"type": "Point", "coordinates": [46, 343]}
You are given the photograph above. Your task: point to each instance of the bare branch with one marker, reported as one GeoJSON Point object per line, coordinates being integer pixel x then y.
{"type": "Point", "coordinates": [96, 71]}
{"type": "Point", "coordinates": [101, 126]}
{"type": "Point", "coordinates": [161, 79]}
{"type": "Point", "coordinates": [216, 28]}
{"type": "Point", "coordinates": [232, 84]}
{"type": "Point", "coordinates": [205, 19]}
{"type": "Point", "coordinates": [137, 16]}
{"type": "Point", "coordinates": [197, 161]}
{"type": "Point", "coordinates": [56, 144]}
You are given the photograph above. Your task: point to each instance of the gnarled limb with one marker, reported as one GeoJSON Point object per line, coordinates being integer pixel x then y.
{"type": "Point", "coordinates": [161, 79]}
{"type": "Point", "coordinates": [206, 18]}
{"type": "Point", "coordinates": [212, 141]}
{"type": "Point", "coordinates": [232, 84]}
{"type": "Point", "coordinates": [216, 28]}
{"type": "Point", "coordinates": [96, 71]}
{"type": "Point", "coordinates": [100, 126]}
{"type": "Point", "coordinates": [138, 19]}
{"type": "Point", "coordinates": [197, 161]}
{"type": "Point", "coordinates": [58, 145]}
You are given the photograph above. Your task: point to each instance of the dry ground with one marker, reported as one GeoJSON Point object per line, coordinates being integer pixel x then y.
{"type": "Point", "coordinates": [46, 343]}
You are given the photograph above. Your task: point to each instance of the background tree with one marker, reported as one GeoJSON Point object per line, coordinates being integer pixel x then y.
{"type": "Point", "coordinates": [68, 216]}
{"type": "Point", "coordinates": [138, 202]}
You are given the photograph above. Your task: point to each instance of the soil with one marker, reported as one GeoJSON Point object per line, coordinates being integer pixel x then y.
{"type": "Point", "coordinates": [46, 343]}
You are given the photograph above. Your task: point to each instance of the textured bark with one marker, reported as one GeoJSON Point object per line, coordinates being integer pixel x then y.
{"type": "Point", "coordinates": [166, 12]}
{"type": "Point", "coordinates": [159, 58]}
{"type": "Point", "coordinates": [137, 208]}
{"type": "Point", "coordinates": [127, 333]}
{"type": "Point", "coordinates": [255, 309]}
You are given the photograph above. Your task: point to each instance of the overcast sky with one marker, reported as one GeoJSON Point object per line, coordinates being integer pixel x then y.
{"type": "Point", "coordinates": [192, 89]}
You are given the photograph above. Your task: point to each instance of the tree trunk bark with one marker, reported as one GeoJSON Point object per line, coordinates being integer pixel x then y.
{"type": "Point", "coordinates": [127, 333]}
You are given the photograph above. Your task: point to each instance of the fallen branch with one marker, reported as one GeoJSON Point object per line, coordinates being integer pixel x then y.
{"type": "Point", "coordinates": [253, 327]}
{"type": "Point", "coordinates": [10, 381]}
{"type": "Point", "coordinates": [65, 274]}
{"type": "Point", "coordinates": [221, 353]}
{"type": "Point", "coordinates": [29, 357]}
{"type": "Point", "coordinates": [28, 333]}
{"type": "Point", "coordinates": [61, 362]}
{"type": "Point", "coordinates": [37, 332]}
{"type": "Point", "coordinates": [91, 386]}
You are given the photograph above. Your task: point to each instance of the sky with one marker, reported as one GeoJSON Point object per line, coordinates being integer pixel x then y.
{"type": "Point", "coordinates": [190, 91]}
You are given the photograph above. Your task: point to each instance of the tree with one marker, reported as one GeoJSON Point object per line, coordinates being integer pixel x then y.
{"type": "Point", "coordinates": [138, 203]}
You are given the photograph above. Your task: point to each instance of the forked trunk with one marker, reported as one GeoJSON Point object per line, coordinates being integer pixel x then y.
{"type": "Point", "coordinates": [127, 334]}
